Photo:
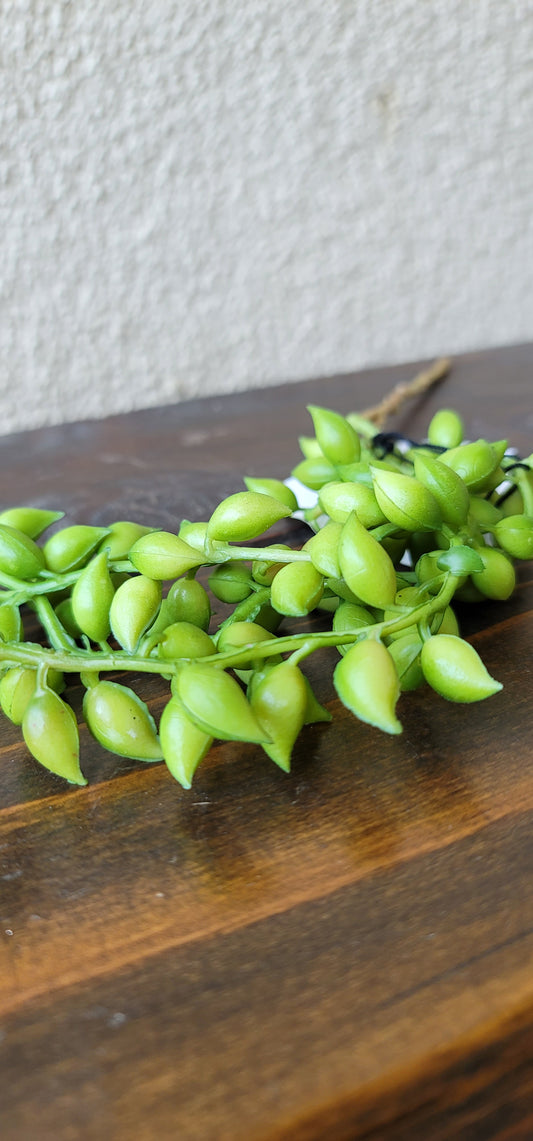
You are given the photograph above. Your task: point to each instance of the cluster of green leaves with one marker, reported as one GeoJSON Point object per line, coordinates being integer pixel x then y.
{"type": "Point", "coordinates": [398, 530]}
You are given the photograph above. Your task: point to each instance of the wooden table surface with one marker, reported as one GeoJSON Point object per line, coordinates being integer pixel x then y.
{"type": "Point", "coordinates": [342, 953]}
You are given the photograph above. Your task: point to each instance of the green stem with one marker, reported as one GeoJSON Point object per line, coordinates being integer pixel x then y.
{"type": "Point", "coordinates": [22, 591]}
{"type": "Point", "coordinates": [49, 583]}
{"type": "Point", "coordinates": [268, 554]}
{"type": "Point", "coordinates": [311, 642]}
{"type": "Point", "coordinates": [383, 531]}
{"type": "Point", "coordinates": [89, 679]}
{"type": "Point", "coordinates": [247, 610]}
{"type": "Point", "coordinates": [82, 661]}
{"type": "Point", "coordinates": [303, 652]}
{"type": "Point", "coordinates": [40, 684]}
{"type": "Point", "coordinates": [56, 633]}
{"type": "Point", "coordinates": [79, 661]}
{"type": "Point", "coordinates": [526, 490]}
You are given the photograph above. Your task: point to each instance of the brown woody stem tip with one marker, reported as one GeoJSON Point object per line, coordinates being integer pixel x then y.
{"type": "Point", "coordinates": [423, 380]}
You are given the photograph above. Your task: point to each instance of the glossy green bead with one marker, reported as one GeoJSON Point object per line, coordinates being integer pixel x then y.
{"type": "Point", "coordinates": [91, 599]}
{"type": "Point", "coordinates": [183, 744]}
{"type": "Point", "coordinates": [445, 622]}
{"type": "Point", "coordinates": [499, 448]}
{"type": "Point", "coordinates": [314, 472]}
{"type": "Point", "coordinates": [365, 428]}
{"type": "Point", "coordinates": [31, 520]}
{"type": "Point", "coordinates": [405, 501]}
{"type": "Point", "coordinates": [268, 618]}
{"type": "Point", "coordinates": [453, 669]}
{"type": "Point", "coordinates": [391, 463]}
{"type": "Point", "coordinates": [163, 618]}
{"type": "Point", "coordinates": [297, 589]}
{"type": "Point", "coordinates": [120, 722]}
{"type": "Point", "coordinates": [323, 548]}
{"type": "Point", "coordinates": [280, 703]}
{"type": "Point", "coordinates": [426, 570]}
{"type": "Point", "coordinates": [314, 711]}
{"type": "Point", "coordinates": [524, 480]}
{"type": "Point", "coordinates": [367, 683]}
{"type": "Point", "coordinates": [409, 596]}
{"type": "Point", "coordinates": [239, 636]}
{"type": "Point", "coordinates": [474, 462]}
{"type": "Point", "coordinates": [513, 504]}
{"type": "Point", "coordinates": [51, 735]}
{"type": "Point", "coordinates": [515, 535]}
{"type": "Point", "coordinates": [188, 601]}
{"type": "Point", "coordinates": [17, 687]}
{"type": "Point", "coordinates": [405, 653]}
{"type": "Point", "coordinates": [194, 534]}
{"type": "Point", "coordinates": [118, 577]}
{"type": "Point", "coordinates": [19, 555]}
{"type": "Point", "coordinates": [71, 548]}
{"type": "Point", "coordinates": [395, 545]}
{"type": "Point", "coordinates": [11, 629]}
{"type": "Point", "coordinates": [185, 640]}
{"type": "Point", "coordinates": [273, 487]}
{"type": "Point", "coordinates": [133, 609]}
{"type": "Point", "coordinates": [366, 567]}
{"type": "Point", "coordinates": [122, 535]}
{"type": "Point", "coordinates": [447, 488]}
{"type": "Point", "coordinates": [230, 582]}
{"type": "Point", "coordinates": [338, 587]}
{"type": "Point", "coordinates": [337, 439]}
{"type": "Point", "coordinates": [496, 479]}
{"type": "Point", "coordinates": [446, 429]}
{"type": "Point", "coordinates": [329, 602]}
{"type": "Point", "coordinates": [467, 592]}
{"type": "Point", "coordinates": [217, 704]}
{"type": "Point", "coordinates": [498, 578]}
{"type": "Point", "coordinates": [350, 616]}
{"type": "Point", "coordinates": [366, 506]}
{"type": "Point", "coordinates": [162, 556]}
{"type": "Point", "coordinates": [255, 676]}
{"type": "Point", "coordinates": [338, 499]}
{"type": "Point", "coordinates": [65, 614]}
{"type": "Point", "coordinates": [245, 515]}
{"type": "Point", "coordinates": [310, 447]}
{"type": "Point", "coordinates": [483, 513]}
{"type": "Point", "coordinates": [356, 473]}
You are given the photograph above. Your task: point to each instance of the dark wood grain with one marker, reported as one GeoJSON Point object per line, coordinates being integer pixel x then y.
{"type": "Point", "coordinates": [342, 953]}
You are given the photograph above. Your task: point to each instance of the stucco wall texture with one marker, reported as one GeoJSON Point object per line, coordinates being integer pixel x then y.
{"type": "Point", "coordinates": [201, 196]}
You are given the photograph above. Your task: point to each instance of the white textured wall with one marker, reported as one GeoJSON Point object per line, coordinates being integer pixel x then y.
{"type": "Point", "coordinates": [205, 195]}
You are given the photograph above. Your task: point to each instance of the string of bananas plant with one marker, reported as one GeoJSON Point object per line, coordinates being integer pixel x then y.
{"type": "Point", "coordinates": [398, 530]}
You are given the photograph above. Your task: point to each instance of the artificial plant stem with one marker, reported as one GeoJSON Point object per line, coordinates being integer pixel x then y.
{"type": "Point", "coordinates": [308, 643]}
{"type": "Point", "coordinates": [78, 661]}
{"type": "Point", "coordinates": [250, 605]}
{"type": "Point", "coordinates": [82, 661]}
{"type": "Point", "coordinates": [47, 583]}
{"type": "Point", "coordinates": [55, 631]}
{"type": "Point", "coordinates": [526, 491]}
{"type": "Point", "coordinates": [24, 591]}
{"type": "Point", "coordinates": [267, 554]}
